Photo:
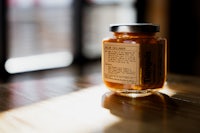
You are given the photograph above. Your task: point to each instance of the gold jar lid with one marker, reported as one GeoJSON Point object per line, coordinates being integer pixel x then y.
{"type": "Point", "coordinates": [135, 28]}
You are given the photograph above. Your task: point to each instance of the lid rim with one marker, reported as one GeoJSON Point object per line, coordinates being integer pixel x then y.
{"type": "Point", "coordinates": [135, 27]}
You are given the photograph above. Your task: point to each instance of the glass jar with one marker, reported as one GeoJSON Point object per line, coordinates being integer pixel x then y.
{"type": "Point", "coordinates": [134, 59]}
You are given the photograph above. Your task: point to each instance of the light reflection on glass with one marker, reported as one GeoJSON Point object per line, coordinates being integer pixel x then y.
{"type": "Point", "coordinates": [167, 90]}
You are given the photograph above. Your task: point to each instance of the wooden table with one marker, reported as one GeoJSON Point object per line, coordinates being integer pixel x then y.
{"type": "Point", "coordinates": [176, 108]}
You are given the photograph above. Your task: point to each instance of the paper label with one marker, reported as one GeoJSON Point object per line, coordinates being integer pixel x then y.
{"type": "Point", "coordinates": [121, 62]}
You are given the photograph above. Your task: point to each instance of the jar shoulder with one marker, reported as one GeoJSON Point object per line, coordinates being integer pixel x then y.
{"type": "Point", "coordinates": [133, 40]}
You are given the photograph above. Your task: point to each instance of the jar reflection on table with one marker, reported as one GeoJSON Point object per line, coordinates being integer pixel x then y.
{"type": "Point", "coordinates": [153, 107]}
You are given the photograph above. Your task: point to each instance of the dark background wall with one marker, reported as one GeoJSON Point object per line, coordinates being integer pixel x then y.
{"type": "Point", "coordinates": [184, 37]}
{"type": "Point", "coordinates": [180, 24]}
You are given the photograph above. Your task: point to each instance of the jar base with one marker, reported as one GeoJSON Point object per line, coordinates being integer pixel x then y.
{"type": "Point", "coordinates": [136, 93]}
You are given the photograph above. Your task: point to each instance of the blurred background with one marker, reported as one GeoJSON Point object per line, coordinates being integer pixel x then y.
{"type": "Point", "coordinates": [47, 34]}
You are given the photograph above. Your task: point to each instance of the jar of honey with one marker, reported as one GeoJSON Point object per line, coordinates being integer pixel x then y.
{"type": "Point", "coordinates": [134, 59]}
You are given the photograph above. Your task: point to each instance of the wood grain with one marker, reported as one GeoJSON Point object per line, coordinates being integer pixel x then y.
{"type": "Point", "coordinates": [176, 108]}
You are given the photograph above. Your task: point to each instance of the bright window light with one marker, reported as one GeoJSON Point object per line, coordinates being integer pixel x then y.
{"type": "Point", "coordinates": [38, 62]}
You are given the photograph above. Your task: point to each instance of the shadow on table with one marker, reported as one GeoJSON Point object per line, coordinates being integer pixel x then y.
{"type": "Point", "coordinates": [155, 113]}
{"type": "Point", "coordinates": [150, 108]}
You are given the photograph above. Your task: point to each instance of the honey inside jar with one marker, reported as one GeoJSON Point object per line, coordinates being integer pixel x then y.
{"type": "Point", "coordinates": [134, 59]}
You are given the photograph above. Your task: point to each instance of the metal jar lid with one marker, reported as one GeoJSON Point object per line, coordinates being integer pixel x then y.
{"type": "Point", "coordinates": [135, 28]}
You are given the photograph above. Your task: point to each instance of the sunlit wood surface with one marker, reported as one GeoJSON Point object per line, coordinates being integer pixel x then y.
{"type": "Point", "coordinates": [176, 108]}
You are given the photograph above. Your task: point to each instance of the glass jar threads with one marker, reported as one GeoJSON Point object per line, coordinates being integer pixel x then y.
{"type": "Point", "coordinates": [134, 59]}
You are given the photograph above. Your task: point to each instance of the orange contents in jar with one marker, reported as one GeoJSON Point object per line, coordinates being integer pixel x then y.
{"type": "Point", "coordinates": [134, 59]}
